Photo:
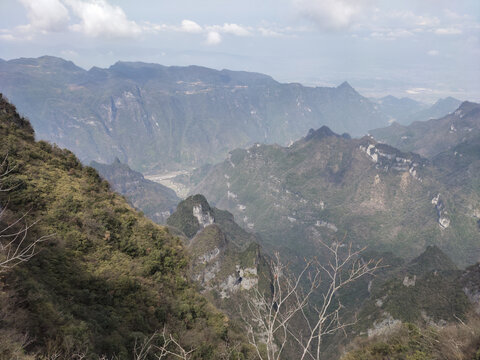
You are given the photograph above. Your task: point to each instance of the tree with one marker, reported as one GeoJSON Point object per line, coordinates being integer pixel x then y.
{"type": "Point", "coordinates": [286, 315]}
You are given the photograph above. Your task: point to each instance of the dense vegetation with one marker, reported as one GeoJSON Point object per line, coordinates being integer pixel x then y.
{"type": "Point", "coordinates": [107, 275]}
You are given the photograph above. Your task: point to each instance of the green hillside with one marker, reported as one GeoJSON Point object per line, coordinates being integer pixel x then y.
{"type": "Point", "coordinates": [106, 277]}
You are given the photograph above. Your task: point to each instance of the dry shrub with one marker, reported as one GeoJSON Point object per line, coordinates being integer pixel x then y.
{"type": "Point", "coordinates": [460, 341]}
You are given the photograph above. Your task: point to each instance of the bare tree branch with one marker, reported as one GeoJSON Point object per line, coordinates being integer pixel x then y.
{"type": "Point", "coordinates": [160, 345]}
{"type": "Point", "coordinates": [268, 317]}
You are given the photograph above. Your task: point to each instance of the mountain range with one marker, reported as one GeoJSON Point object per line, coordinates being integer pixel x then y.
{"type": "Point", "coordinates": [184, 116]}
{"type": "Point", "coordinates": [228, 264]}
{"type": "Point", "coordinates": [107, 277]}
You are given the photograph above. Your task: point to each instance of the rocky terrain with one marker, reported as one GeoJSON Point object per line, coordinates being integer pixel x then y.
{"type": "Point", "coordinates": [226, 260]}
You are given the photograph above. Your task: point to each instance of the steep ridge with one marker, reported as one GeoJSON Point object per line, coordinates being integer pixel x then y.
{"type": "Point", "coordinates": [226, 260]}
{"type": "Point", "coordinates": [184, 116]}
{"type": "Point", "coordinates": [326, 186]}
{"type": "Point", "coordinates": [156, 201]}
{"type": "Point", "coordinates": [104, 278]}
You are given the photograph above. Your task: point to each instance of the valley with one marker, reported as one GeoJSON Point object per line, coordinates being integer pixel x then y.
{"type": "Point", "coordinates": [168, 179]}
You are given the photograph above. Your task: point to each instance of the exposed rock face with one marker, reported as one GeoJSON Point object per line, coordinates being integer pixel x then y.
{"type": "Point", "coordinates": [409, 281]}
{"type": "Point", "coordinates": [384, 327]}
{"type": "Point", "coordinates": [386, 157]}
{"type": "Point", "coordinates": [327, 225]}
{"type": "Point", "coordinates": [442, 213]}
{"type": "Point", "coordinates": [227, 259]}
{"type": "Point", "coordinates": [244, 279]}
{"type": "Point", "coordinates": [204, 218]}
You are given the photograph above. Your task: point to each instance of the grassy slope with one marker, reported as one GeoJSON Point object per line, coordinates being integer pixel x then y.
{"type": "Point", "coordinates": [107, 276]}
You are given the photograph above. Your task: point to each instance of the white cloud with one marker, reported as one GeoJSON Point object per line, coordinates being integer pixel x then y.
{"type": "Point", "coordinates": [213, 32]}
{"type": "Point", "coordinates": [190, 27]}
{"type": "Point", "coordinates": [269, 32]}
{"type": "Point", "coordinates": [45, 15]}
{"type": "Point", "coordinates": [99, 18]}
{"type": "Point", "coordinates": [235, 29]}
{"type": "Point", "coordinates": [390, 34]}
{"type": "Point", "coordinates": [232, 29]}
{"type": "Point", "coordinates": [333, 14]}
{"type": "Point", "coordinates": [416, 91]}
{"type": "Point", "coordinates": [213, 38]}
{"type": "Point", "coordinates": [7, 37]}
{"type": "Point", "coordinates": [448, 31]}
{"type": "Point", "coordinates": [433, 52]}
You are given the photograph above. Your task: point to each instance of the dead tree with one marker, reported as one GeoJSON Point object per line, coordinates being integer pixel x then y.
{"type": "Point", "coordinates": [269, 317]}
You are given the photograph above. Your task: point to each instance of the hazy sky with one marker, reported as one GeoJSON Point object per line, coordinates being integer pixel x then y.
{"type": "Point", "coordinates": [423, 49]}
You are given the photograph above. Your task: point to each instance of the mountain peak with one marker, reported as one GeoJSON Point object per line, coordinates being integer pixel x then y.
{"type": "Point", "coordinates": [448, 101]}
{"type": "Point", "coordinates": [320, 133]}
{"type": "Point", "coordinates": [467, 106]}
{"type": "Point", "coordinates": [345, 86]}
{"type": "Point", "coordinates": [432, 259]}
{"type": "Point", "coordinates": [192, 214]}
